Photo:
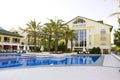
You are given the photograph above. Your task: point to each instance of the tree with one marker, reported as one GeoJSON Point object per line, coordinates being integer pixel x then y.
{"type": "Point", "coordinates": [32, 29]}
{"type": "Point", "coordinates": [47, 31]}
{"type": "Point", "coordinates": [117, 32]}
{"type": "Point", "coordinates": [57, 26]}
{"type": "Point", "coordinates": [72, 37]}
{"type": "Point", "coordinates": [68, 35]}
{"type": "Point", "coordinates": [117, 36]}
{"type": "Point", "coordinates": [115, 13]}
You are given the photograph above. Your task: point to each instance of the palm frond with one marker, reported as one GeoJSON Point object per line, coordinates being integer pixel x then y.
{"type": "Point", "coordinates": [114, 14]}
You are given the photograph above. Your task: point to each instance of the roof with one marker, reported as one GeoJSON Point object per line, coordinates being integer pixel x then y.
{"type": "Point", "coordinates": [5, 32]}
{"type": "Point", "coordinates": [92, 20]}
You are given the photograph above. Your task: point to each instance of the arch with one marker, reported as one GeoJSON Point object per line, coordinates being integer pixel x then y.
{"type": "Point", "coordinates": [79, 21]}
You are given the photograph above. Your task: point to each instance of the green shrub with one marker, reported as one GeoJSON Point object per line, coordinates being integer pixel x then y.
{"type": "Point", "coordinates": [95, 50]}
{"type": "Point", "coordinates": [68, 50]}
{"type": "Point", "coordinates": [61, 46]}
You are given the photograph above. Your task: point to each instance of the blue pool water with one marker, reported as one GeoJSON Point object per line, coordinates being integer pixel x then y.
{"type": "Point", "coordinates": [18, 60]}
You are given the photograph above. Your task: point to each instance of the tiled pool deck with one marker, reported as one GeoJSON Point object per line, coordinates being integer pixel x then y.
{"type": "Point", "coordinates": [108, 71]}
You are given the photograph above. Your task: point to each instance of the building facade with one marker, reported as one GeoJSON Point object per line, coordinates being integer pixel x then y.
{"type": "Point", "coordinates": [9, 41]}
{"type": "Point", "coordinates": [91, 33]}
{"type": "Point", "coordinates": [27, 41]}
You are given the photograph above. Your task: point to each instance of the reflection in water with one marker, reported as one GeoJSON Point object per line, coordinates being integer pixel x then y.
{"type": "Point", "coordinates": [18, 60]}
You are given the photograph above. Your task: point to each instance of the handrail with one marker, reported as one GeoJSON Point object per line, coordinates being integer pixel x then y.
{"type": "Point", "coordinates": [116, 56]}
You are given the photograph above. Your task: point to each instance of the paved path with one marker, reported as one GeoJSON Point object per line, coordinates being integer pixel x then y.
{"type": "Point", "coordinates": [62, 73]}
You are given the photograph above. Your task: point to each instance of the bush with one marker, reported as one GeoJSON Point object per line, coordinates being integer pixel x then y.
{"type": "Point", "coordinates": [61, 46]}
{"type": "Point", "coordinates": [95, 50]}
{"type": "Point", "coordinates": [68, 50]}
{"type": "Point", "coordinates": [38, 49]}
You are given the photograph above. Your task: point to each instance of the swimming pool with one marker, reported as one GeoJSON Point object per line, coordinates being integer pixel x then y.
{"type": "Point", "coordinates": [23, 60]}
{"type": "Point", "coordinates": [109, 70]}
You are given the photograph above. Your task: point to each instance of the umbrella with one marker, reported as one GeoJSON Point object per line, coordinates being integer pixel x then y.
{"type": "Point", "coordinates": [84, 50]}
{"type": "Point", "coordinates": [28, 48]}
{"type": "Point", "coordinates": [42, 48]}
{"type": "Point", "coordinates": [24, 48]}
{"type": "Point", "coordinates": [18, 47]}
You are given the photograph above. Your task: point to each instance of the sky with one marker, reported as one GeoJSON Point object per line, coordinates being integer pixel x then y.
{"type": "Point", "coordinates": [16, 13]}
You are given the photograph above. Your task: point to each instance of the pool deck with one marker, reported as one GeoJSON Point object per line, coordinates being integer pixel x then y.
{"type": "Point", "coordinates": [62, 73]}
{"type": "Point", "coordinates": [110, 70]}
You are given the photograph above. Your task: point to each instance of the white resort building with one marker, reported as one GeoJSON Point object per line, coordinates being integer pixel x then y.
{"type": "Point", "coordinates": [91, 33]}
{"type": "Point", "coordinates": [9, 41]}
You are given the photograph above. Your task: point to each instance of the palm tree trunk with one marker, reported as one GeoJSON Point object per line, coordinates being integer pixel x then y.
{"type": "Point", "coordinates": [49, 41]}
{"type": "Point", "coordinates": [56, 43]}
{"type": "Point", "coordinates": [71, 45]}
{"type": "Point", "coordinates": [66, 43]}
{"type": "Point", "coordinates": [46, 46]}
{"type": "Point", "coordinates": [35, 48]}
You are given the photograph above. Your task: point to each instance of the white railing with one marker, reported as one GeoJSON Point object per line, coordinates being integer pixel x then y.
{"type": "Point", "coordinates": [116, 56]}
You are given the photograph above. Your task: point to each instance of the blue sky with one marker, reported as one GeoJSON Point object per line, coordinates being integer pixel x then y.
{"type": "Point", "coordinates": [15, 13]}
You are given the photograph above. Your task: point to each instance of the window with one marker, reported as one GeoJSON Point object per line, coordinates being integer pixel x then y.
{"type": "Point", "coordinates": [81, 38]}
{"type": "Point", "coordinates": [6, 39]}
{"type": "Point", "coordinates": [15, 40]}
{"type": "Point", "coordinates": [103, 38]}
{"type": "Point", "coordinates": [79, 23]}
{"type": "Point", "coordinates": [103, 31]}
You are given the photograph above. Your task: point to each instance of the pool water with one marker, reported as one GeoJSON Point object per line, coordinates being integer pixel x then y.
{"type": "Point", "coordinates": [20, 60]}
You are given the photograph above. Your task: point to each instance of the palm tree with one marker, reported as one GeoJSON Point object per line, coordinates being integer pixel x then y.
{"type": "Point", "coordinates": [72, 37]}
{"type": "Point", "coordinates": [57, 27]}
{"type": "Point", "coordinates": [117, 37]}
{"type": "Point", "coordinates": [47, 33]}
{"type": "Point", "coordinates": [69, 35]}
{"type": "Point", "coordinates": [115, 13]}
{"type": "Point", "coordinates": [32, 29]}
{"type": "Point", "coordinates": [117, 32]}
